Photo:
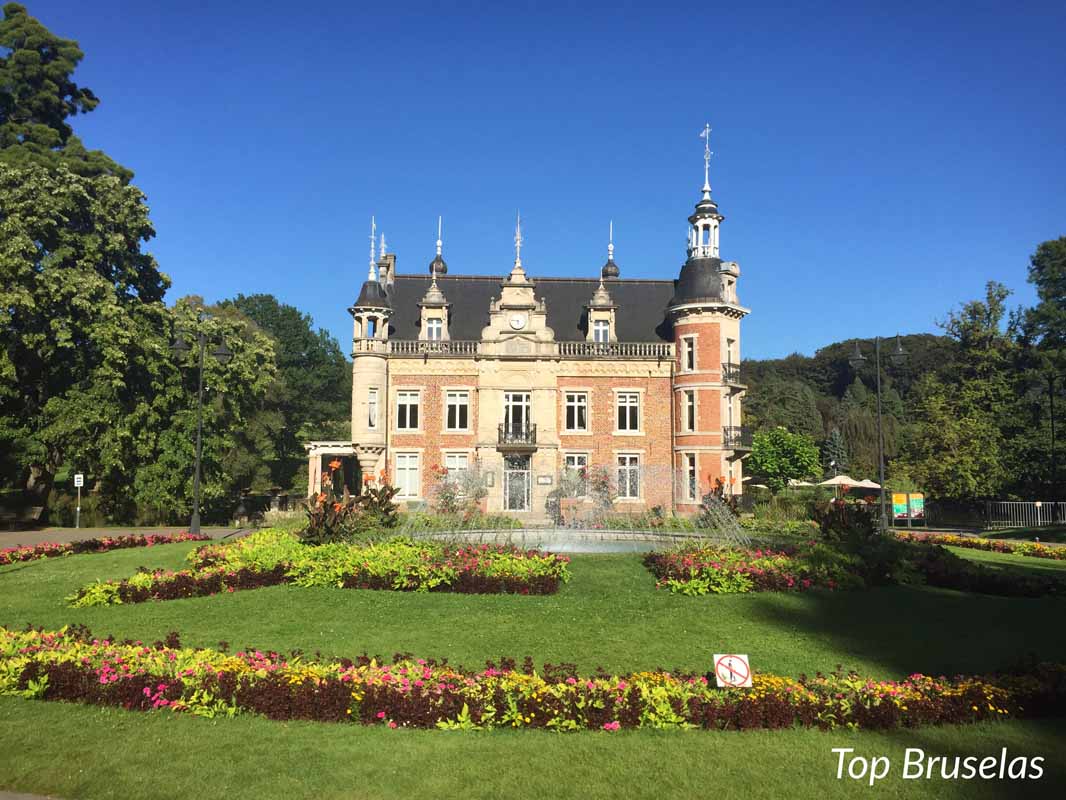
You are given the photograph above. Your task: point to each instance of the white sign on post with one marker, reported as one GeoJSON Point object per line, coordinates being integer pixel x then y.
{"type": "Point", "coordinates": [732, 671]}
{"type": "Point", "coordinates": [79, 480]}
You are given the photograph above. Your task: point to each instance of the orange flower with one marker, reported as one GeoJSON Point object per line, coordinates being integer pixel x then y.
{"type": "Point", "coordinates": [338, 506]}
{"type": "Point", "coordinates": [368, 479]}
{"type": "Point", "coordinates": [335, 464]}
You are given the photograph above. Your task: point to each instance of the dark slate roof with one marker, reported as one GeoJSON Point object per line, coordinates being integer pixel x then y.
{"type": "Point", "coordinates": [373, 296]}
{"type": "Point", "coordinates": [699, 280]}
{"type": "Point", "coordinates": [641, 313]}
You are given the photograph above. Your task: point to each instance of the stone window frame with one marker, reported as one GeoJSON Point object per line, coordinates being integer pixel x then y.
{"type": "Point", "coordinates": [629, 454]}
{"type": "Point", "coordinates": [639, 392]}
{"type": "Point", "coordinates": [690, 401]}
{"type": "Point", "coordinates": [585, 454]}
{"type": "Point", "coordinates": [417, 391]}
{"type": "Point", "coordinates": [688, 347]}
{"type": "Point", "coordinates": [587, 431]}
{"type": "Point", "coordinates": [407, 453]}
{"type": "Point", "coordinates": [470, 394]}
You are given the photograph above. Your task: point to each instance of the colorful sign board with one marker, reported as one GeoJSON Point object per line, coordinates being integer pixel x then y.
{"type": "Point", "coordinates": [908, 505]}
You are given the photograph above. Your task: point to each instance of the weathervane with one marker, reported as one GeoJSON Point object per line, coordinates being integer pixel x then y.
{"type": "Point", "coordinates": [610, 243]}
{"type": "Point", "coordinates": [705, 134]}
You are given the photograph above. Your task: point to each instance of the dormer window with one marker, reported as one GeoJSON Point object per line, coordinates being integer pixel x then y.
{"type": "Point", "coordinates": [601, 331]}
{"type": "Point", "coordinates": [435, 328]}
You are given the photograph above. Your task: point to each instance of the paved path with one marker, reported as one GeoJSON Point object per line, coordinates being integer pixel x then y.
{"type": "Point", "coordinates": [14, 538]}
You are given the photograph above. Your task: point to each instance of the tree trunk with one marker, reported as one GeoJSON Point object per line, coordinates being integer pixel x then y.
{"type": "Point", "coordinates": [39, 485]}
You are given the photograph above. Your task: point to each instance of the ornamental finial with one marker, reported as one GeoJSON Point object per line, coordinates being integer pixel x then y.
{"type": "Point", "coordinates": [705, 134]}
{"type": "Point", "coordinates": [439, 219]}
{"type": "Point", "coordinates": [382, 254]}
{"type": "Point", "coordinates": [610, 243]}
{"type": "Point", "coordinates": [372, 274]}
{"type": "Point", "coordinates": [518, 241]}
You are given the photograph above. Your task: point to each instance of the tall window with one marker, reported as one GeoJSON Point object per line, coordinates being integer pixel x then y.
{"type": "Point", "coordinates": [407, 410]}
{"type": "Point", "coordinates": [690, 409]}
{"type": "Point", "coordinates": [691, 477]}
{"type": "Point", "coordinates": [434, 328]}
{"type": "Point", "coordinates": [456, 463]}
{"type": "Point", "coordinates": [407, 475]}
{"type": "Point", "coordinates": [629, 411]}
{"type": "Point", "coordinates": [629, 477]}
{"type": "Point", "coordinates": [577, 409]}
{"type": "Point", "coordinates": [601, 331]}
{"type": "Point", "coordinates": [516, 407]}
{"type": "Point", "coordinates": [577, 464]}
{"type": "Point", "coordinates": [688, 353]}
{"type": "Point", "coordinates": [372, 409]}
{"type": "Point", "coordinates": [457, 413]}
{"type": "Point", "coordinates": [371, 327]}
{"type": "Point", "coordinates": [730, 351]}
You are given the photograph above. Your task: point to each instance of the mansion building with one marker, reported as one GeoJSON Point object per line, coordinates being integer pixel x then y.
{"type": "Point", "coordinates": [524, 378]}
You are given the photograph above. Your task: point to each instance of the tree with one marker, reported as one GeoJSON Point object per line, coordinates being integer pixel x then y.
{"type": "Point", "coordinates": [1046, 322]}
{"type": "Point", "coordinates": [954, 449]}
{"type": "Point", "coordinates": [778, 456]}
{"type": "Point", "coordinates": [37, 96]}
{"type": "Point", "coordinates": [82, 319]}
{"type": "Point", "coordinates": [312, 394]}
{"type": "Point", "coordinates": [237, 443]}
{"type": "Point", "coordinates": [834, 454]}
{"type": "Point", "coordinates": [790, 404]}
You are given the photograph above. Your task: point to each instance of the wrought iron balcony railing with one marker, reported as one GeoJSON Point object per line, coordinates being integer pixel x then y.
{"type": "Point", "coordinates": [736, 437]}
{"type": "Point", "coordinates": [520, 434]}
{"type": "Point", "coordinates": [731, 373]}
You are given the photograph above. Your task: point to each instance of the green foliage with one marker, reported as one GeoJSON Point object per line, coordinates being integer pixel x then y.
{"type": "Point", "coordinates": [310, 397]}
{"type": "Point", "coordinates": [852, 529]}
{"type": "Point", "coordinates": [834, 454]}
{"type": "Point", "coordinates": [37, 96]}
{"type": "Point", "coordinates": [82, 336]}
{"type": "Point", "coordinates": [459, 492]}
{"type": "Point", "coordinates": [783, 403]}
{"type": "Point", "coordinates": [778, 456]}
{"type": "Point", "coordinates": [332, 518]}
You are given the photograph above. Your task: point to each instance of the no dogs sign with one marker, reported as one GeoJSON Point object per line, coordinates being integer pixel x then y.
{"type": "Point", "coordinates": [732, 671]}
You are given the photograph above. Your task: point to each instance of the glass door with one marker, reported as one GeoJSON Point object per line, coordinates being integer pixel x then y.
{"type": "Point", "coordinates": [516, 483]}
{"type": "Point", "coordinates": [516, 415]}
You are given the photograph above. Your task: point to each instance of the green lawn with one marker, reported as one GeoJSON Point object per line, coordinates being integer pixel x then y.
{"type": "Point", "coordinates": [609, 615]}
{"type": "Point", "coordinates": [1046, 533]}
{"type": "Point", "coordinates": [84, 752]}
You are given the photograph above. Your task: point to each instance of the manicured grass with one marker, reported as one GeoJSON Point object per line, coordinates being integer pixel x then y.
{"type": "Point", "coordinates": [1008, 561]}
{"type": "Point", "coordinates": [610, 615]}
{"type": "Point", "coordinates": [1046, 533]}
{"type": "Point", "coordinates": [85, 752]}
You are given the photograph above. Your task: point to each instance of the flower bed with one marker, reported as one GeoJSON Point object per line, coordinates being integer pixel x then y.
{"type": "Point", "coordinates": [274, 557]}
{"type": "Point", "coordinates": [70, 665]}
{"type": "Point", "coordinates": [1033, 549]}
{"type": "Point", "coordinates": [698, 570]}
{"type": "Point", "coordinates": [101, 544]}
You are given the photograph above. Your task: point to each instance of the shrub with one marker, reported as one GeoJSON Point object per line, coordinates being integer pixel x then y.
{"type": "Point", "coordinates": [71, 665]}
{"type": "Point", "coordinates": [700, 569]}
{"type": "Point", "coordinates": [268, 558]}
{"type": "Point", "coordinates": [100, 544]}
{"type": "Point", "coordinates": [342, 519]}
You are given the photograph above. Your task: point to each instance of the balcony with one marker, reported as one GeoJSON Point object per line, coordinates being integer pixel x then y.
{"type": "Point", "coordinates": [731, 374]}
{"type": "Point", "coordinates": [517, 436]}
{"type": "Point", "coordinates": [736, 437]}
{"type": "Point", "coordinates": [660, 350]}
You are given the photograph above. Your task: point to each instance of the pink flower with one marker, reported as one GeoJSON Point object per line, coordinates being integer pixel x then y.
{"type": "Point", "coordinates": [612, 726]}
{"type": "Point", "coordinates": [392, 724]}
{"type": "Point", "coordinates": [381, 715]}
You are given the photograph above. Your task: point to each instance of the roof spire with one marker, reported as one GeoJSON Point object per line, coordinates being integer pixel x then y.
{"type": "Point", "coordinates": [518, 241]}
{"type": "Point", "coordinates": [438, 236]}
{"type": "Point", "coordinates": [382, 255]}
{"type": "Point", "coordinates": [705, 134]}
{"type": "Point", "coordinates": [372, 274]}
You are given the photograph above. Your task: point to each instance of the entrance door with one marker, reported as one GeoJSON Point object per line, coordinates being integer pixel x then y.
{"type": "Point", "coordinates": [516, 483]}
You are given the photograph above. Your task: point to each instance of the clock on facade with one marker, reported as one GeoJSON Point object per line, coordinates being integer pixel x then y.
{"type": "Point", "coordinates": [518, 321]}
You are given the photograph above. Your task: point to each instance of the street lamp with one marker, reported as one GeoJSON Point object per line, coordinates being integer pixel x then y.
{"type": "Point", "coordinates": [222, 355]}
{"type": "Point", "coordinates": [897, 357]}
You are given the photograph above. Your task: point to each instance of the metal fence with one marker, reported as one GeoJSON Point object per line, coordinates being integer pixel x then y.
{"type": "Point", "coordinates": [1024, 513]}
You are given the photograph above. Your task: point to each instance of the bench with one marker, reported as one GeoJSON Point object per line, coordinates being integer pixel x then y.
{"type": "Point", "coordinates": [17, 518]}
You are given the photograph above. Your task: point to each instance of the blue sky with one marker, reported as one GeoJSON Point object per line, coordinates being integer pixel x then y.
{"type": "Point", "coordinates": [876, 163]}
